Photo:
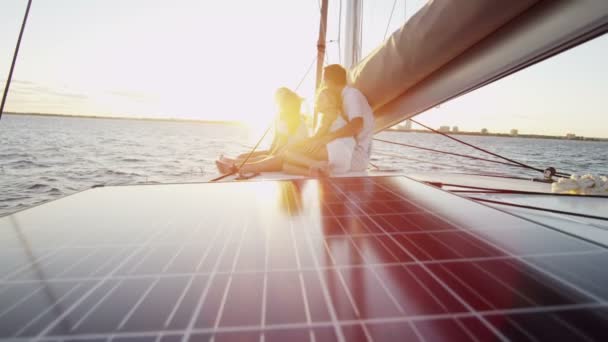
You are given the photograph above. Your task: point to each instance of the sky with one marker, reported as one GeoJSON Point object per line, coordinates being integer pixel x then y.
{"type": "Point", "coordinates": [222, 60]}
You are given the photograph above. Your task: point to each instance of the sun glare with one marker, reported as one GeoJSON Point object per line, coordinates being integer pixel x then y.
{"type": "Point", "coordinates": [189, 60]}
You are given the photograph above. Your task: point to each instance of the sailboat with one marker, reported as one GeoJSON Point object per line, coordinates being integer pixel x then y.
{"type": "Point", "coordinates": [363, 257]}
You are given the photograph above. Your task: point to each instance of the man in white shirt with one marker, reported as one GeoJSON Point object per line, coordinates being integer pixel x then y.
{"type": "Point", "coordinates": [359, 113]}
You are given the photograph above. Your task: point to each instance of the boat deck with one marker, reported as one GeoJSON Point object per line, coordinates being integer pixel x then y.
{"type": "Point", "coordinates": [338, 259]}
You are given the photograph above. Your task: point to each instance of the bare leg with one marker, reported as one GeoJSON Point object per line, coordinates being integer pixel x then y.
{"type": "Point", "coordinates": [254, 154]}
{"type": "Point", "coordinates": [317, 163]}
{"type": "Point", "coordinates": [224, 167]}
{"type": "Point", "coordinates": [269, 164]}
{"type": "Point", "coordinates": [293, 169]}
{"type": "Point", "coordinates": [238, 161]}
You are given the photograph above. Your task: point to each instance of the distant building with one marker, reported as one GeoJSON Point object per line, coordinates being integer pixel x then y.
{"type": "Point", "coordinates": [514, 132]}
{"type": "Point", "coordinates": [570, 136]}
{"type": "Point", "coordinates": [408, 124]}
{"type": "Point", "coordinates": [484, 131]}
{"type": "Point", "coordinates": [455, 129]}
{"type": "Point", "coordinates": [444, 129]}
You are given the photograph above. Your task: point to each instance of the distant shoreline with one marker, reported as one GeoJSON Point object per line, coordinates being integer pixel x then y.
{"type": "Point", "coordinates": [213, 122]}
{"type": "Point", "coordinates": [503, 135]}
{"type": "Point", "coordinates": [236, 123]}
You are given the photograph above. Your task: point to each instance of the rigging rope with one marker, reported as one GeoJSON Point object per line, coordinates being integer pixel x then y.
{"type": "Point", "coordinates": [389, 19]}
{"type": "Point", "coordinates": [516, 192]}
{"type": "Point", "coordinates": [246, 159]}
{"type": "Point", "coordinates": [306, 73]}
{"type": "Point", "coordinates": [340, 33]}
{"type": "Point", "coordinates": [265, 132]}
{"type": "Point", "coordinates": [539, 208]}
{"type": "Point", "coordinates": [559, 174]}
{"type": "Point", "coordinates": [10, 73]}
{"type": "Point", "coordinates": [416, 160]}
{"type": "Point", "coordinates": [446, 152]}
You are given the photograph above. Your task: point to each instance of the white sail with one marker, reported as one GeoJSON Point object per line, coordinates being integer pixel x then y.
{"type": "Point", "coordinates": [352, 48]}
{"type": "Point", "coordinates": [451, 47]}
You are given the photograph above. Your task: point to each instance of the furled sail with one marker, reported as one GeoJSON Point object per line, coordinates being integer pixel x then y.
{"type": "Point", "coordinates": [451, 47]}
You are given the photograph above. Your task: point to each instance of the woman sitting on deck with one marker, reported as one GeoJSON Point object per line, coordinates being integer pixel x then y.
{"type": "Point", "coordinates": [289, 129]}
{"type": "Point", "coordinates": [300, 158]}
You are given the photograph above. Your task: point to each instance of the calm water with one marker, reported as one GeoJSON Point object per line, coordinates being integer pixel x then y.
{"type": "Point", "coordinates": [43, 158]}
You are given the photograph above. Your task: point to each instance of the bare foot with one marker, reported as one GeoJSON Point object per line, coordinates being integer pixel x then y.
{"type": "Point", "coordinates": [224, 167]}
{"type": "Point", "coordinates": [227, 159]}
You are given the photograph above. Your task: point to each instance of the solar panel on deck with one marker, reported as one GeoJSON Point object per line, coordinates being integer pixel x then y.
{"type": "Point", "coordinates": [347, 259]}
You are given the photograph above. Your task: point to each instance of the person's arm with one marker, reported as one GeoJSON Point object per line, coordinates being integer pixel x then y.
{"type": "Point", "coordinates": [324, 126]}
{"type": "Point", "coordinates": [351, 129]}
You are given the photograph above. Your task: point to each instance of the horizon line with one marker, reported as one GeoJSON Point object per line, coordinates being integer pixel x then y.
{"type": "Point", "coordinates": [144, 118]}
{"type": "Point", "coordinates": [239, 123]}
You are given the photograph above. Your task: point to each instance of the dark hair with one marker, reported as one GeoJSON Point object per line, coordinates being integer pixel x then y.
{"type": "Point", "coordinates": [335, 73]}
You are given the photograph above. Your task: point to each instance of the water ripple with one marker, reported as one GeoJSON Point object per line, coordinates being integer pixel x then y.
{"type": "Point", "coordinates": [43, 158]}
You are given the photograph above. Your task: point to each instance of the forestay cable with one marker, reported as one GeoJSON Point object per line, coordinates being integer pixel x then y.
{"type": "Point", "coordinates": [559, 174]}
{"type": "Point", "coordinates": [445, 152]}
{"type": "Point", "coordinates": [10, 73]}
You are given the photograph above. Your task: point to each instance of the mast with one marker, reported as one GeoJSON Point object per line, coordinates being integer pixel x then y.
{"type": "Point", "coordinates": [352, 48]}
{"type": "Point", "coordinates": [320, 51]}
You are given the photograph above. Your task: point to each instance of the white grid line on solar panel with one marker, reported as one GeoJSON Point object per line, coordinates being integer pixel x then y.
{"type": "Point", "coordinates": [79, 262]}
{"type": "Point", "coordinates": [353, 235]}
{"type": "Point", "coordinates": [192, 277]}
{"type": "Point", "coordinates": [397, 319]}
{"type": "Point", "coordinates": [487, 274]}
{"type": "Point", "coordinates": [154, 243]}
{"type": "Point", "coordinates": [330, 308]}
{"type": "Point", "coordinates": [429, 292]}
{"type": "Point", "coordinates": [265, 283]}
{"type": "Point", "coordinates": [99, 284]}
{"type": "Point", "coordinates": [190, 236]}
{"type": "Point", "coordinates": [384, 287]}
{"type": "Point", "coordinates": [191, 243]}
{"type": "Point", "coordinates": [500, 281]}
{"type": "Point", "coordinates": [416, 332]}
{"type": "Point", "coordinates": [20, 301]}
{"type": "Point", "coordinates": [597, 287]}
{"type": "Point", "coordinates": [140, 260]}
{"type": "Point", "coordinates": [212, 276]}
{"type": "Point", "coordinates": [137, 304]}
{"type": "Point", "coordinates": [29, 265]}
{"type": "Point", "coordinates": [422, 285]}
{"type": "Point", "coordinates": [529, 264]}
{"type": "Point", "coordinates": [92, 308]}
{"type": "Point", "coordinates": [220, 311]}
{"type": "Point", "coordinates": [447, 288]}
{"type": "Point", "coordinates": [326, 296]}
{"type": "Point", "coordinates": [304, 268]}
{"type": "Point", "coordinates": [572, 328]}
{"type": "Point", "coordinates": [109, 262]}
{"type": "Point", "coordinates": [300, 277]}
{"type": "Point", "coordinates": [109, 293]}
{"type": "Point", "coordinates": [545, 272]}
{"type": "Point", "coordinates": [392, 297]}
{"type": "Point", "coordinates": [525, 271]}
{"type": "Point", "coordinates": [521, 329]}
{"type": "Point", "coordinates": [188, 243]}
{"type": "Point", "coordinates": [342, 281]}
{"type": "Point", "coordinates": [51, 254]}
